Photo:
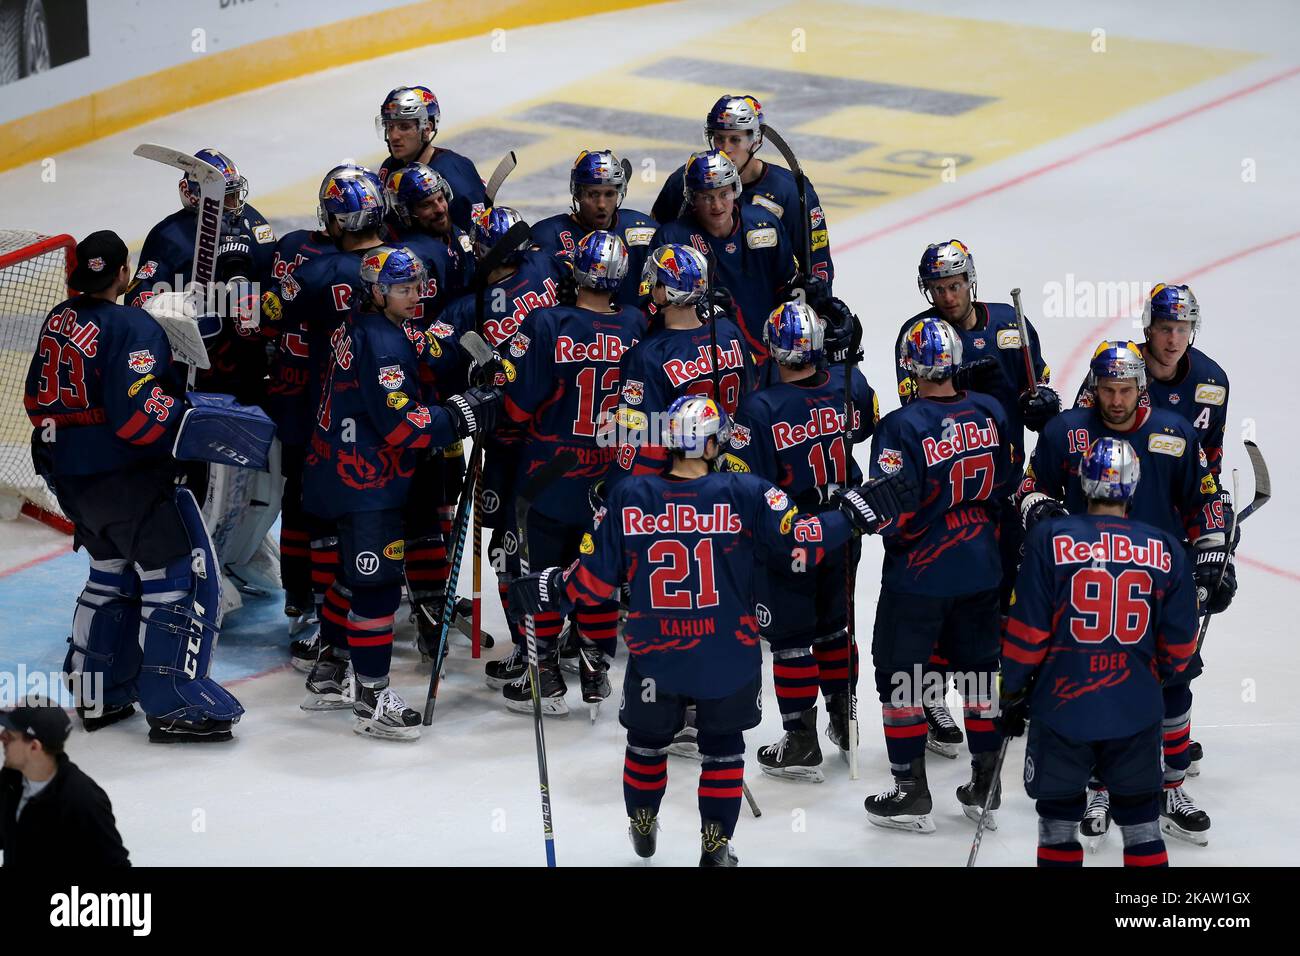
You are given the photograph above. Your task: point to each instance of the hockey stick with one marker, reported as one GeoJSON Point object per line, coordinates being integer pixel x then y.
{"type": "Point", "coordinates": [207, 235]}
{"type": "Point", "coordinates": [988, 801]}
{"type": "Point", "coordinates": [1263, 491]}
{"type": "Point", "coordinates": [801, 181]}
{"type": "Point", "coordinates": [749, 798]}
{"type": "Point", "coordinates": [549, 471]}
{"type": "Point", "coordinates": [1023, 325]}
{"type": "Point", "coordinates": [504, 169]}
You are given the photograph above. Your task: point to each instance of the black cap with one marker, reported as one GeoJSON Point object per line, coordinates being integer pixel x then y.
{"type": "Point", "coordinates": [99, 256]}
{"type": "Point", "coordinates": [37, 717]}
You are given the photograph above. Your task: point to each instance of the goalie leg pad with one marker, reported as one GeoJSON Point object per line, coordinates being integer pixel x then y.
{"type": "Point", "coordinates": [180, 624]}
{"type": "Point", "coordinates": [104, 654]}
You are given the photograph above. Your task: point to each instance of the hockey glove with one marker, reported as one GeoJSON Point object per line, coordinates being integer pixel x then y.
{"type": "Point", "coordinates": [1013, 713]}
{"type": "Point", "coordinates": [813, 291]}
{"type": "Point", "coordinates": [596, 495]}
{"type": "Point", "coordinates": [1038, 506]}
{"type": "Point", "coordinates": [1038, 408]}
{"type": "Point", "coordinates": [534, 593]}
{"type": "Point", "coordinates": [1216, 577]}
{"type": "Point", "coordinates": [982, 375]}
{"type": "Point", "coordinates": [718, 303]}
{"type": "Point", "coordinates": [843, 341]}
{"type": "Point", "coordinates": [475, 410]}
{"type": "Point", "coordinates": [877, 503]}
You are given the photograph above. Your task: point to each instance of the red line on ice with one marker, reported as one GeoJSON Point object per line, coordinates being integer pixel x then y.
{"type": "Point", "coordinates": [39, 559]}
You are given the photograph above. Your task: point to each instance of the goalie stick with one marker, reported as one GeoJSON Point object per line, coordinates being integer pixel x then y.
{"type": "Point", "coordinates": [801, 181]}
{"type": "Point", "coordinates": [1263, 491]}
{"type": "Point", "coordinates": [535, 484]}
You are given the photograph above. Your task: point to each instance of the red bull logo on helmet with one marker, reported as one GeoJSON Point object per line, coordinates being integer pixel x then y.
{"type": "Point", "coordinates": [333, 190]}
{"type": "Point", "coordinates": [374, 263]}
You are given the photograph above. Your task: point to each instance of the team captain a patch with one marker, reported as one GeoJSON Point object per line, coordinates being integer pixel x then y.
{"type": "Point", "coordinates": [391, 377]}
{"type": "Point", "coordinates": [140, 362]}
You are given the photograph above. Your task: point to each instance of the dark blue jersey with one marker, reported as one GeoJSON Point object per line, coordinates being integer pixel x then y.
{"type": "Point", "coordinates": [560, 234]}
{"type": "Point", "coordinates": [1104, 611]}
{"type": "Point", "coordinates": [995, 335]}
{"type": "Point", "coordinates": [664, 366]}
{"type": "Point", "coordinates": [776, 192]}
{"type": "Point", "coordinates": [1198, 392]}
{"type": "Point", "coordinates": [535, 284]}
{"type": "Point", "coordinates": [1177, 493]}
{"type": "Point", "coordinates": [792, 434]}
{"type": "Point", "coordinates": [565, 395]}
{"type": "Point", "coordinates": [459, 266]}
{"type": "Point", "coordinates": [237, 353]}
{"type": "Point", "coordinates": [688, 549]}
{"type": "Point", "coordinates": [954, 452]}
{"type": "Point", "coordinates": [754, 262]}
{"type": "Point", "coordinates": [468, 195]}
{"type": "Point", "coordinates": [101, 392]}
{"type": "Point", "coordinates": [371, 423]}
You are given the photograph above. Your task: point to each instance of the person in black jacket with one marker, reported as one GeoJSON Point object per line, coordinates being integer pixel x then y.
{"type": "Point", "coordinates": [50, 811]}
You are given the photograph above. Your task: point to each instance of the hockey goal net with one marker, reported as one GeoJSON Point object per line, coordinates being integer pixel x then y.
{"type": "Point", "coordinates": [33, 280]}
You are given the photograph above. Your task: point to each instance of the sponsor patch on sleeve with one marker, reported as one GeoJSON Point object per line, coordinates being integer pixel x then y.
{"type": "Point", "coordinates": [1208, 487]}
{"type": "Point", "coordinates": [787, 520]}
{"type": "Point", "coordinates": [588, 545]}
{"type": "Point", "coordinates": [138, 384]}
{"type": "Point", "coordinates": [764, 238]}
{"type": "Point", "coordinates": [271, 308]}
{"type": "Point", "coordinates": [395, 550]}
{"type": "Point", "coordinates": [820, 239]}
{"type": "Point", "coordinates": [397, 400]}
{"type": "Point", "coordinates": [630, 418]}
{"type": "Point", "coordinates": [731, 463]}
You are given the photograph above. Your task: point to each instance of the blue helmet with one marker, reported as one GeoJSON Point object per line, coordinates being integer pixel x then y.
{"type": "Point", "coordinates": [692, 421]}
{"type": "Point", "coordinates": [1174, 303]}
{"type": "Point", "coordinates": [1117, 360]}
{"type": "Point", "coordinates": [1110, 471]}
{"type": "Point", "coordinates": [236, 185]}
{"type": "Point", "coordinates": [943, 259]}
{"type": "Point", "coordinates": [682, 271]}
{"type": "Point", "coordinates": [412, 184]}
{"type": "Point", "coordinates": [742, 113]}
{"type": "Point", "coordinates": [597, 168]}
{"type": "Point", "coordinates": [794, 333]}
{"type": "Point", "coordinates": [388, 266]}
{"type": "Point", "coordinates": [409, 103]}
{"type": "Point", "coordinates": [488, 227]}
{"type": "Point", "coordinates": [931, 350]}
{"type": "Point", "coordinates": [600, 261]}
{"type": "Point", "coordinates": [352, 195]}
{"type": "Point", "coordinates": [711, 169]}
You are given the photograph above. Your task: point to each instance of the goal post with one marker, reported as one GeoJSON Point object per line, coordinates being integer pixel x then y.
{"type": "Point", "coordinates": [34, 271]}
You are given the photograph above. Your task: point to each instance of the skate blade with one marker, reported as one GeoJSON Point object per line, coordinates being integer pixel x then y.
{"type": "Point", "coordinates": [797, 774]}
{"type": "Point", "coordinates": [939, 747]}
{"type": "Point", "coordinates": [551, 707]}
{"type": "Point", "coordinates": [569, 664]}
{"type": "Point", "coordinates": [314, 703]}
{"type": "Point", "coordinates": [973, 813]}
{"type": "Point", "coordinates": [497, 683]}
{"type": "Point", "coordinates": [1169, 828]}
{"type": "Point", "coordinates": [368, 728]}
{"type": "Point", "coordinates": [593, 709]}
{"type": "Point", "coordinates": [909, 823]}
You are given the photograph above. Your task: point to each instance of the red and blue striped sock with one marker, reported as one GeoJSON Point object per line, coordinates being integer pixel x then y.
{"type": "Point", "coordinates": [722, 778]}
{"type": "Point", "coordinates": [645, 772]}
{"type": "Point", "coordinates": [795, 672]}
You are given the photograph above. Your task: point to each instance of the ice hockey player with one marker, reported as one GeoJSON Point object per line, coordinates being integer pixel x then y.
{"type": "Point", "coordinates": [685, 541]}
{"type": "Point", "coordinates": [317, 276]}
{"type": "Point", "coordinates": [735, 126]}
{"type": "Point", "coordinates": [598, 185]}
{"type": "Point", "coordinates": [747, 245]}
{"type": "Point", "coordinates": [369, 431]}
{"type": "Point", "coordinates": [792, 434]}
{"type": "Point", "coordinates": [993, 364]}
{"type": "Point", "coordinates": [407, 123]}
{"type": "Point", "coordinates": [105, 403]}
{"type": "Point", "coordinates": [1179, 495]}
{"type": "Point", "coordinates": [236, 349]}
{"type": "Point", "coordinates": [563, 397]}
{"type": "Point", "coordinates": [419, 202]}
{"type": "Point", "coordinates": [939, 590]}
{"type": "Point", "coordinates": [674, 358]}
{"type": "Point", "coordinates": [1104, 615]}
{"type": "Point", "coordinates": [527, 279]}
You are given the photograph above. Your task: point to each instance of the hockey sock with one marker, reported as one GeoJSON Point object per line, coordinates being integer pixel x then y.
{"type": "Point", "coordinates": [547, 627]}
{"type": "Point", "coordinates": [427, 569]}
{"type": "Point", "coordinates": [645, 772]}
{"type": "Point", "coordinates": [516, 635]}
{"type": "Point", "coordinates": [722, 776]}
{"type": "Point", "coordinates": [795, 674]}
{"type": "Point", "coordinates": [1058, 831]}
{"type": "Point", "coordinates": [1138, 820]}
{"type": "Point", "coordinates": [831, 653]}
{"type": "Point", "coordinates": [324, 564]}
{"type": "Point", "coordinates": [295, 557]}
{"type": "Point", "coordinates": [370, 630]}
{"type": "Point", "coordinates": [905, 731]}
{"type": "Point", "coordinates": [599, 625]}
{"type": "Point", "coordinates": [976, 689]}
{"type": "Point", "coordinates": [1177, 731]}
{"type": "Point", "coordinates": [334, 615]}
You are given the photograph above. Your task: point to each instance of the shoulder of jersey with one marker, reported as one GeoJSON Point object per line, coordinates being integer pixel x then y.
{"type": "Point", "coordinates": [1000, 314]}
{"type": "Point", "coordinates": [1205, 369]}
{"type": "Point", "coordinates": [1164, 420]}
{"type": "Point", "coordinates": [756, 217]}
{"type": "Point", "coordinates": [1069, 418]}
